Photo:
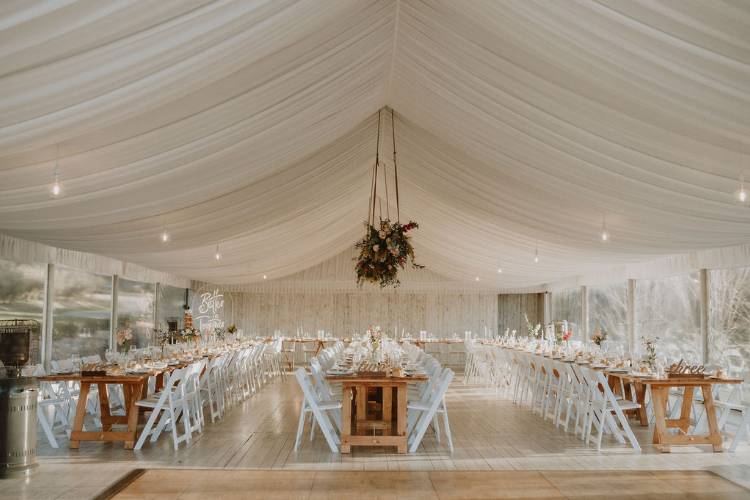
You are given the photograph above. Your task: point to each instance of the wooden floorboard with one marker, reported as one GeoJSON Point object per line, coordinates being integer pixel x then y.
{"type": "Point", "coordinates": [490, 433]}
{"type": "Point", "coordinates": [251, 484]}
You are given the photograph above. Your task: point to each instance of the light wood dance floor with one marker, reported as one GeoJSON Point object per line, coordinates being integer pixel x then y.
{"type": "Point", "coordinates": [235, 484]}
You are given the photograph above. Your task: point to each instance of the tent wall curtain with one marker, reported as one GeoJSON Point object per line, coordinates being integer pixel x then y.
{"type": "Point", "coordinates": [29, 252]}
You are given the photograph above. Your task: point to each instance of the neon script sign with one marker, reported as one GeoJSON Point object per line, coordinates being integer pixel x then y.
{"type": "Point", "coordinates": [209, 310]}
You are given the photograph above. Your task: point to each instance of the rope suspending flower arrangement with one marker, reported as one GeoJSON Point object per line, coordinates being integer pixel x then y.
{"type": "Point", "coordinates": [386, 247]}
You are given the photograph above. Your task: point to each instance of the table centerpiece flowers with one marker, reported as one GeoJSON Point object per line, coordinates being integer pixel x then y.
{"type": "Point", "coordinates": [563, 336]}
{"type": "Point", "coordinates": [533, 331]}
{"type": "Point", "coordinates": [374, 337]}
{"type": "Point", "coordinates": [649, 356]}
{"type": "Point", "coordinates": [190, 334]}
{"type": "Point", "coordinates": [600, 335]}
{"type": "Point", "coordinates": [124, 338]}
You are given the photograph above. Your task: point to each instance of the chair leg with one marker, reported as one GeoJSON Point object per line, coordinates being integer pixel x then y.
{"type": "Point", "coordinates": [447, 428]}
{"type": "Point", "coordinates": [300, 426]}
{"type": "Point", "coordinates": [436, 427]}
{"type": "Point", "coordinates": [46, 426]}
{"type": "Point", "coordinates": [741, 430]}
{"type": "Point", "coordinates": [148, 428]}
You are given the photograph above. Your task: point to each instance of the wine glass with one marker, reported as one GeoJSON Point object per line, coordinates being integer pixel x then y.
{"type": "Point", "coordinates": [110, 356]}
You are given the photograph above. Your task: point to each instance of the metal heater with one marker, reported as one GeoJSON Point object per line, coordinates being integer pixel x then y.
{"type": "Point", "coordinates": [18, 399]}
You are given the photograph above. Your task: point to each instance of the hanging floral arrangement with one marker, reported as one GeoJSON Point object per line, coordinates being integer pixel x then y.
{"type": "Point", "coordinates": [383, 251]}
{"type": "Point", "coordinates": [386, 247]}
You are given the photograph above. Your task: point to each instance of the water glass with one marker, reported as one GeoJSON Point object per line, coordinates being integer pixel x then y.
{"type": "Point", "coordinates": [75, 360]}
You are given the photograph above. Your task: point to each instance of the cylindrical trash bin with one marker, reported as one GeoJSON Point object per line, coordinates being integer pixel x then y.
{"type": "Point", "coordinates": [18, 401]}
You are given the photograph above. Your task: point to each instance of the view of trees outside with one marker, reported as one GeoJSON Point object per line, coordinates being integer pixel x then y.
{"type": "Point", "coordinates": [729, 318]}
{"type": "Point", "coordinates": [171, 300]}
{"type": "Point", "coordinates": [669, 308]}
{"type": "Point", "coordinates": [22, 297]}
{"type": "Point", "coordinates": [566, 305]}
{"type": "Point", "coordinates": [81, 313]}
{"type": "Point", "coordinates": [135, 310]}
{"type": "Point", "coordinates": [608, 309]}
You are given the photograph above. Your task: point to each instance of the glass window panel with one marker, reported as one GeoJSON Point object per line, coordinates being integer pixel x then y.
{"type": "Point", "coordinates": [669, 308]}
{"type": "Point", "coordinates": [81, 314]}
{"type": "Point", "coordinates": [729, 319]}
{"type": "Point", "coordinates": [566, 306]}
{"type": "Point", "coordinates": [171, 301]}
{"type": "Point", "coordinates": [135, 310]}
{"type": "Point", "coordinates": [608, 307]}
{"type": "Point", "coordinates": [22, 297]}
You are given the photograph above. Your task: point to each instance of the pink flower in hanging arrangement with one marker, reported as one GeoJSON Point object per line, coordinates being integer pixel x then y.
{"type": "Point", "coordinates": [383, 251]}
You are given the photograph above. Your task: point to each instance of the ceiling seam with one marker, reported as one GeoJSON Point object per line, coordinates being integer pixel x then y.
{"type": "Point", "coordinates": [393, 54]}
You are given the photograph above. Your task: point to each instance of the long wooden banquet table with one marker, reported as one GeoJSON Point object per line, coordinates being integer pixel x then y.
{"type": "Point", "coordinates": [659, 388]}
{"type": "Point", "coordinates": [361, 424]}
{"type": "Point", "coordinates": [133, 388]}
{"type": "Point", "coordinates": [424, 342]}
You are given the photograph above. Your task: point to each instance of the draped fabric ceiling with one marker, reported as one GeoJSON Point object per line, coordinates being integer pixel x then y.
{"type": "Point", "coordinates": [520, 125]}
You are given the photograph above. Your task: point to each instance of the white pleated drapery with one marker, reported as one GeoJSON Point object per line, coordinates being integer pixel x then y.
{"type": "Point", "coordinates": [521, 126]}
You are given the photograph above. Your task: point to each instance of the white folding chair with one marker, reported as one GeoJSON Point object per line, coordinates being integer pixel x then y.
{"type": "Point", "coordinates": [166, 407]}
{"type": "Point", "coordinates": [51, 409]}
{"type": "Point", "coordinates": [428, 411]}
{"type": "Point", "coordinates": [603, 405]}
{"type": "Point", "coordinates": [416, 408]}
{"type": "Point", "coordinates": [319, 409]}
{"type": "Point", "coordinates": [210, 385]}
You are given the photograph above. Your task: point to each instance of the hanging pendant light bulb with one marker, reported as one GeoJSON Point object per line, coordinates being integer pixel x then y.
{"type": "Point", "coordinates": [164, 236]}
{"type": "Point", "coordinates": [476, 279]}
{"type": "Point", "coordinates": [741, 195]}
{"type": "Point", "coordinates": [217, 255]}
{"type": "Point", "coordinates": [536, 255]}
{"type": "Point", "coordinates": [265, 277]}
{"type": "Point", "coordinates": [605, 233]}
{"type": "Point", "coordinates": [499, 270]}
{"type": "Point", "coordinates": [56, 187]}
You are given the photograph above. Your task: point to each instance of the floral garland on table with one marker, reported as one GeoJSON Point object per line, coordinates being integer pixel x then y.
{"type": "Point", "coordinates": [124, 338]}
{"type": "Point", "coordinates": [383, 251]}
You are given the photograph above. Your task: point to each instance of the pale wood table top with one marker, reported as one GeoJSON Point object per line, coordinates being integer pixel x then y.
{"type": "Point", "coordinates": [375, 379]}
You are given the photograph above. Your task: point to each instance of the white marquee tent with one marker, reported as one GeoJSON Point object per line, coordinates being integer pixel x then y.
{"type": "Point", "coordinates": [520, 127]}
